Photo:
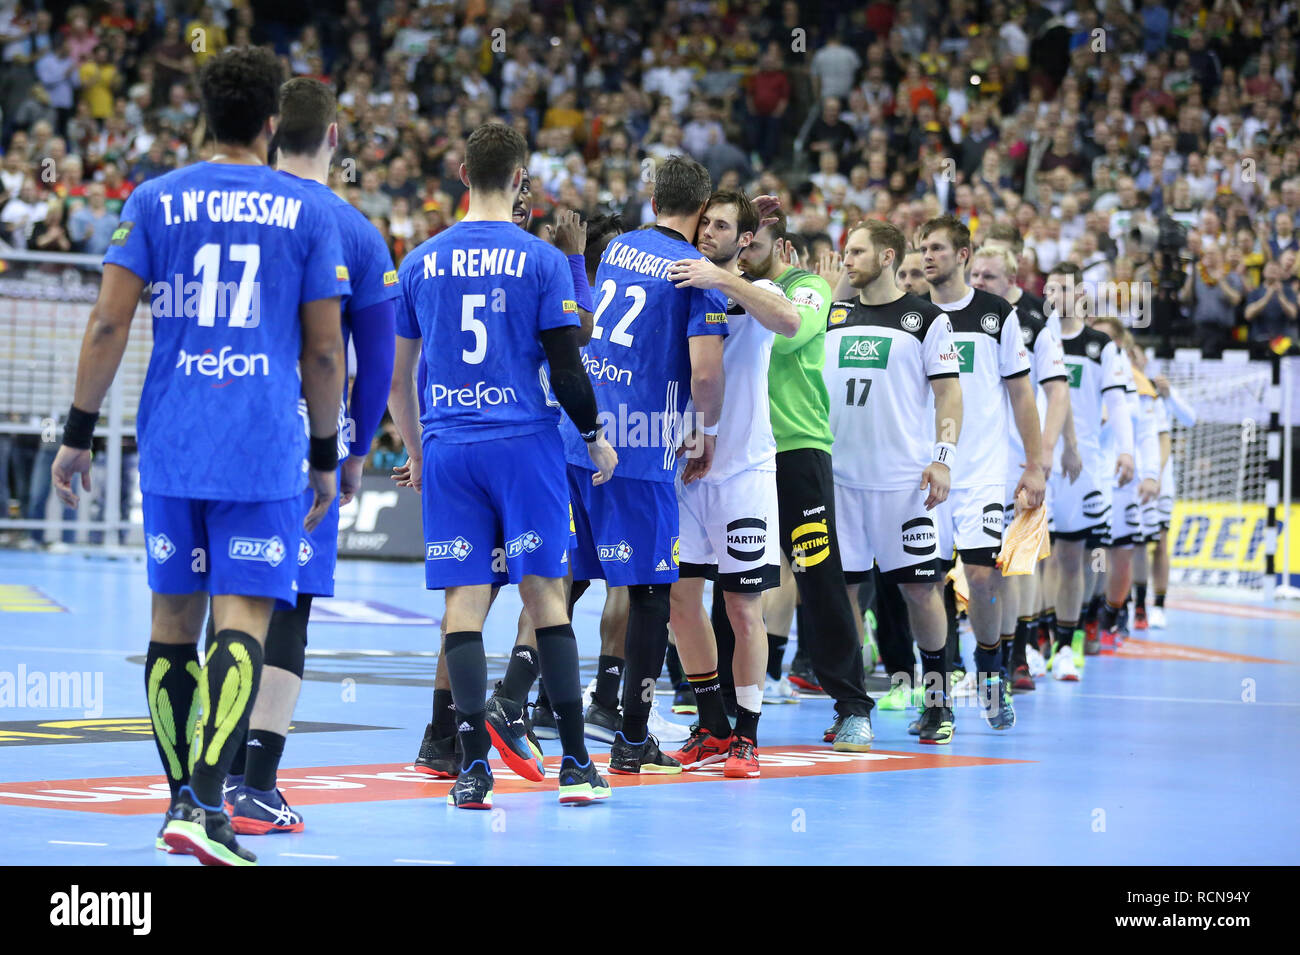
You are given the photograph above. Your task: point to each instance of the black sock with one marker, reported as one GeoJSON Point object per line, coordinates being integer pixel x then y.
{"type": "Point", "coordinates": [934, 672]}
{"type": "Point", "coordinates": [775, 655]}
{"type": "Point", "coordinates": [1008, 643]}
{"type": "Point", "coordinates": [1020, 642]}
{"type": "Point", "coordinates": [542, 698]}
{"type": "Point", "coordinates": [805, 637]}
{"type": "Point", "coordinates": [675, 673]}
{"type": "Point", "coordinates": [171, 677]}
{"type": "Point", "coordinates": [708, 697]}
{"type": "Point", "coordinates": [264, 751]}
{"type": "Point", "coordinates": [559, 652]}
{"type": "Point", "coordinates": [521, 674]}
{"type": "Point", "coordinates": [467, 670]}
{"type": "Point", "coordinates": [988, 660]}
{"type": "Point", "coordinates": [608, 677]}
{"type": "Point", "coordinates": [444, 714]}
{"type": "Point", "coordinates": [1140, 596]}
{"type": "Point", "coordinates": [647, 641]}
{"type": "Point", "coordinates": [1108, 616]}
{"type": "Point", "coordinates": [747, 724]}
{"type": "Point", "coordinates": [1094, 608]}
{"type": "Point", "coordinates": [1160, 599]}
{"type": "Point", "coordinates": [1047, 625]}
{"type": "Point", "coordinates": [227, 690]}
{"type": "Point", "coordinates": [1065, 633]}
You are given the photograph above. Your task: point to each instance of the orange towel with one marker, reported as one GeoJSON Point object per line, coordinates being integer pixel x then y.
{"type": "Point", "coordinates": [960, 588]}
{"type": "Point", "coordinates": [1025, 542]}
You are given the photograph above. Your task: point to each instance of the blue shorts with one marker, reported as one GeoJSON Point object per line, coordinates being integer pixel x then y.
{"type": "Point", "coordinates": [319, 551]}
{"type": "Point", "coordinates": [495, 511]}
{"type": "Point", "coordinates": [626, 530]}
{"type": "Point", "coordinates": [223, 547]}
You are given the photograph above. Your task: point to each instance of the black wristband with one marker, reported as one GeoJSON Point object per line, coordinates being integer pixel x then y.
{"type": "Point", "coordinates": [592, 436]}
{"type": "Point", "coordinates": [324, 453]}
{"type": "Point", "coordinates": [79, 429]}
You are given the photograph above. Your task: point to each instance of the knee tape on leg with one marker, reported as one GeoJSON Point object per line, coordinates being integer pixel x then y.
{"type": "Point", "coordinates": [286, 639]}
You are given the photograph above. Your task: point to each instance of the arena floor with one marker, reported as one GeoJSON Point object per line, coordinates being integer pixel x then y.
{"type": "Point", "coordinates": [1176, 751]}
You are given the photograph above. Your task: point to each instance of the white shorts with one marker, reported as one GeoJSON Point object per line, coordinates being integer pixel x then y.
{"type": "Point", "coordinates": [889, 528]}
{"type": "Point", "coordinates": [971, 523]}
{"type": "Point", "coordinates": [1080, 510]}
{"type": "Point", "coordinates": [1125, 525]}
{"type": "Point", "coordinates": [729, 532]}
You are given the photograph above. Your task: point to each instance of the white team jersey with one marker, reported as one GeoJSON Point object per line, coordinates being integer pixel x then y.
{"type": "Point", "coordinates": [1046, 363]}
{"type": "Point", "coordinates": [1094, 365]}
{"type": "Point", "coordinates": [745, 441]}
{"type": "Point", "coordinates": [986, 334]}
{"type": "Point", "coordinates": [880, 360]}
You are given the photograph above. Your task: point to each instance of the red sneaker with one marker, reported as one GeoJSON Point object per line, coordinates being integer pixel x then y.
{"type": "Point", "coordinates": [1108, 642]}
{"type": "Point", "coordinates": [742, 759]}
{"type": "Point", "coordinates": [1140, 619]}
{"type": "Point", "coordinates": [1021, 681]}
{"type": "Point", "coordinates": [702, 749]}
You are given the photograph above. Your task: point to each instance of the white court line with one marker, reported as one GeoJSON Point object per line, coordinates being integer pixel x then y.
{"type": "Point", "coordinates": [65, 842]}
{"type": "Point", "coordinates": [305, 855]}
{"type": "Point", "coordinates": [1172, 699]}
{"type": "Point", "coordinates": [102, 652]}
{"type": "Point", "coordinates": [427, 861]}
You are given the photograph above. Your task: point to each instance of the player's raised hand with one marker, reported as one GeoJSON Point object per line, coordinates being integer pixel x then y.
{"type": "Point", "coordinates": [570, 232]}
{"type": "Point", "coordinates": [699, 449]}
{"type": "Point", "coordinates": [408, 474]}
{"type": "Point", "coordinates": [1124, 469]}
{"type": "Point", "coordinates": [786, 253]}
{"type": "Point", "coordinates": [351, 483]}
{"type": "Point", "coordinates": [1148, 490]}
{"type": "Point", "coordinates": [1161, 385]}
{"type": "Point", "coordinates": [68, 463]}
{"type": "Point", "coordinates": [1071, 463]}
{"type": "Point", "coordinates": [831, 268]}
{"type": "Point", "coordinates": [604, 457]}
{"type": "Point", "coordinates": [1034, 486]}
{"type": "Point", "coordinates": [767, 208]}
{"type": "Point", "coordinates": [325, 486]}
{"type": "Point", "coordinates": [695, 273]}
{"type": "Point", "coordinates": [937, 478]}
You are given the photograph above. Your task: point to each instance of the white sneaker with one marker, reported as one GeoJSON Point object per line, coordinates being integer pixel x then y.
{"type": "Point", "coordinates": [965, 686]}
{"type": "Point", "coordinates": [1037, 665]}
{"type": "Point", "coordinates": [664, 730]}
{"type": "Point", "coordinates": [1063, 667]}
{"type": "Point", "coordinates": [587, 694]}
{"type": "Point", "coordinates": [779, 692]}
{"type": "Point", "coordinates": [1156, 618]}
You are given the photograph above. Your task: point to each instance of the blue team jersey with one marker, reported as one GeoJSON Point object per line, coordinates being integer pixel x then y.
{"type": "Point", "coordinates": [231, 252]}
{"type": "Point", "coordinates": [639, 358]}
{"type": "Point", "coordinates": [479, 295]}
{"type": "Point", "coordinates": [370, 272]}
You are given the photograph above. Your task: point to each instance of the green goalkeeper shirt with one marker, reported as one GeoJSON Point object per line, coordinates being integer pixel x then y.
{"type": "Point", "coordinates": [800, 402]}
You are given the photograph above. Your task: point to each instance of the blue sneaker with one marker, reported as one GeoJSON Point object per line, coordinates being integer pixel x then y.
{"type": "Point", "coordinates": [193, 830]}
{"type": "Point", "coordinates": [473, 788]}
{"type": "Point", "coordinates": [257, 813]}
{"type": "Point", "coordinates": [854, 735]}
{"type": "Point", "coordinates": [228, 789]}
{"type": "Point", "coordinates": [580, 785]}
{"type": "Point", "coordinates": [996, 701]}
{"type": "Point", "coordinates": [509, 733]}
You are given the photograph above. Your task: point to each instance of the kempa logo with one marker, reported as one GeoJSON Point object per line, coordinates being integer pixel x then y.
{"type": "Point", "coordinates": [40, 690]}
{"type": "Point", "coordinates": [160, 547]}
{"type": "Point", "coordinates": [477, 396]}
{"type": "Point", "coordinates": [74, 907]}
{"type": "Point", "coordinates": [270, 551]}
{"type": "Point", "coordinates": [864, 351]}
{"type": "Point", "coordinates": [457, 547]}
{"type": "Point", "coordinates": [621, 552]}
{"type": "Point", "coordinates": [604, 370]}
{"type": "Point", "coordinates": [224, 364]}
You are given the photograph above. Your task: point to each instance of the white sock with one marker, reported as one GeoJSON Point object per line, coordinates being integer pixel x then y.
{"type": "Point", "coordinates": [750, 697]}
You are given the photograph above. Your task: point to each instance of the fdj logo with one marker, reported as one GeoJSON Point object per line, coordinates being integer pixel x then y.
{"type": "Point", "coordinates": [864, 351]}
{"type": "Point", "coordinates": [527, 542]}
{"type": "Point", "coordinates": [160, 547]}
{"type": "Point", "coordinates": [965, 356]}
{"type": "Point", "coordinates": [621, 552]}
{"type": "Point", "coordinates": [457, 548]}
{"type": "Point", "coordinates": [270, 551]}
{"type": "Point", "coordinates": [1076, 374]}
{"type": "Point", "coordinates": [305, 552]}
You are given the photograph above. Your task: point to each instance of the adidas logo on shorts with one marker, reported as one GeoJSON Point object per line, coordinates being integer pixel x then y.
{"type": "Point", "coordinates": [662, 565]}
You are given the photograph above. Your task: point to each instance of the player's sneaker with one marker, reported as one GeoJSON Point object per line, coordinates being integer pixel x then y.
{"type": "Point", "coordinates": [899, 697]}
{"type": "Point", "coordinates": [633, 759]}
{"type": "Point", "coordinates": [854, 735]}
{"type": "Point", "coordinates": [473, 788]}
{"type": "Point", "coordinates": [1022, 681]}
{"type": "Point", "coordinates": [161, 844]}
{"type": "Point", "coordinates": [663, 729]}
{"type": "Point", "coordinates": [702, 749]}
{"type": "Point", "coordinates": [1091, 638]}
{"type": "Point", "coordinates": [1140, 620]}
{"type": "Point", "coordinates": [193, 830]}
{"type": "Point", "coordinates": [684, 700]}
{"type": "Point", "coordinates": [779, 691]}
{"type": "Point", "coordinates": [742, 759]}
{"type": "Point", "coordinates": [229, 786]}
{"type": "Point", "coordinates": [1156, 618]}
{"type": "Point", "coordinates": [801, 673]}
{"type": "Point", "coordinates": [965, 685]}
{"type": "Point", "coordinates": [601, 723]}
{"type": "Point", "coordinates": [440, 758]}
{"type": "Point", "coordinates": [509, 733]}
{"type": "Point", "coordinates": [580, 785]}
{"type": "Point", "coordinates": [543, 722]}
{"type": "Point", "coordinates": [936, 725]}
{"type": "Point", "coordinates": [998, 711]}
{"type": "Point", "coordinates": [1036, 661]}
{"type": "Point", "coordinates": [829, 734]}
{"type": "Point", "coordinates": [258, 813]}
{"type": "Point", "coordinates": [1063, 667]}
{"type": "Point", "coordinates": [1078, 646]}
{"type": "Point", "coordinates": [1108, 640]}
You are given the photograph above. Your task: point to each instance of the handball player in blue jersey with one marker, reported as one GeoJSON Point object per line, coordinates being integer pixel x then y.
{"type": "Point", "coordinates": [246, 269]}
{"type": "Point", "coordinates": [490, 312]}
{"type": "Point", "coordinates": [653, 347]}
{"type": "Point", "coordinates": [305, 140]}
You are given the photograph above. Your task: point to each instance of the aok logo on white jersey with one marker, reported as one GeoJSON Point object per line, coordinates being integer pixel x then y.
{"type": "Point", "coordinates": [864, 351]}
